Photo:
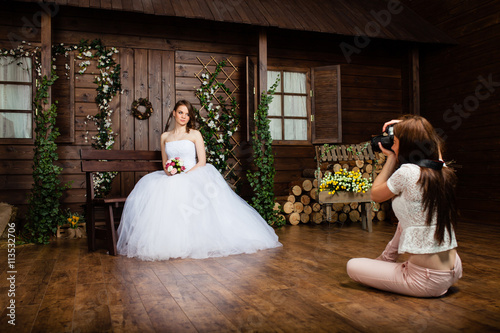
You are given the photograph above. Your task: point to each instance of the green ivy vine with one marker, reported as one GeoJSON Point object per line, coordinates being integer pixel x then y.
{"type": "Point", "coordinates": [262, 180]}
{"type": "Point", "coordinates": [220, 122]}
{"type": "Point", "coordinates": [44, 210]}
{"type": "Point", "coordinates": [108, 85]}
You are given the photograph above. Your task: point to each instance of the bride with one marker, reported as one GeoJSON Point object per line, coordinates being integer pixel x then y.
{"type": "Point", "coordinates": [191, 214]}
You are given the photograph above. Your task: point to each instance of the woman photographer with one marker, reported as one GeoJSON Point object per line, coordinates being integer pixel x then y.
{"type": "Point", "coordinates": [422, 190]}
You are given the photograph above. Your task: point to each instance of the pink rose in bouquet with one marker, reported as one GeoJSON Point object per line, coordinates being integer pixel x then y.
{"type": "Point", "coordinates": [175, 165]}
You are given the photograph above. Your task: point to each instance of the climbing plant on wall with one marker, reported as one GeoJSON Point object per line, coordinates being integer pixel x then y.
{"type": "Point", "coordinates": [262, 179]}
{"type": "Point", "coordinates": [107, 86]}
{"type": "Point", "coordinates": [220, 120]}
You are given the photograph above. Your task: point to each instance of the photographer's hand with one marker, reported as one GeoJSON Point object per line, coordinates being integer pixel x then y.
{"type": "Point", "coordinates": [392, 122]}
{"type": "Point", "coordinates": [380, 191]}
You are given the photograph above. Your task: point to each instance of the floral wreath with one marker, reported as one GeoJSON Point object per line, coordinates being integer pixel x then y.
{"type": "Point", "coordinates": [142, 102]}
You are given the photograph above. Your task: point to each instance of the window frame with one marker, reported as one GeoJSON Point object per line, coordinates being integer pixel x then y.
{"type": "Point", "coordinates": [282, 94]}
{"type": "Point", "coordinates": [33, 92]}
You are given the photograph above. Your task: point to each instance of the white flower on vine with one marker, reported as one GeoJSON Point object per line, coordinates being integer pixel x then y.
{"type": "Point", "coordinates": [216, 117]}
{"type": "Point", "coordinates": [229, 133]}
{"type": "Point", "coordinates": [204, 83]}
{"type": "Point", "coordinates": [87, 54]}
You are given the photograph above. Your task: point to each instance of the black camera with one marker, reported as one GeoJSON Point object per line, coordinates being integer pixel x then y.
{"type": "Point", "coordinates": [387, 139]}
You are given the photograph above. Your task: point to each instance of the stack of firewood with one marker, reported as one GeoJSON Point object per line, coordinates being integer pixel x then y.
{"type": "Point", "coordinates": [301, 205]}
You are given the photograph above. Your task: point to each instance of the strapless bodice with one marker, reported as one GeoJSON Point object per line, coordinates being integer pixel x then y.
{"type": "Point", "coordinates": [184, 149]}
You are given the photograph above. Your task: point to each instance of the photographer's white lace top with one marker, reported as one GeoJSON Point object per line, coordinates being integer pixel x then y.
{"type": "Point", "coordinates": [416, 236]}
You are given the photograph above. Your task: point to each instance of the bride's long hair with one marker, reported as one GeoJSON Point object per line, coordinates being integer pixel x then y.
{"type": "Point", "coordinates": [418, 140]}
{"type": "Point", "coordinates": [192, 120]}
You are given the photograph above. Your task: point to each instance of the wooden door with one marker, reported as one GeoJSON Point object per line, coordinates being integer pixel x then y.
{"type": "Point", "coordinates": [145, 74]}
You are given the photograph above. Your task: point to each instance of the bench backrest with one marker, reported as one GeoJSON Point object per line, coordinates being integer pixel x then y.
{"type": "Point", "coordinates": [94, 160]}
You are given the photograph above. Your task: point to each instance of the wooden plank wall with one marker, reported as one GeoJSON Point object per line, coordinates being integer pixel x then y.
{"type": "Point", "coordinates": [158, 61]}
{"type": "Point", "coordinates": [449, 79]}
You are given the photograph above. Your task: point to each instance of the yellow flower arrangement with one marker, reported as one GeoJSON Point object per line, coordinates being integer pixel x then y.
{"type": "Point", "coordinates": [74, 219]}
{"type": "Point", "coordinates": [343, 180]}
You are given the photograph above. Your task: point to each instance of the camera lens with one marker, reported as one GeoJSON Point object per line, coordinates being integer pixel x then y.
{"type": "Point", "coordinates": [386, 139]}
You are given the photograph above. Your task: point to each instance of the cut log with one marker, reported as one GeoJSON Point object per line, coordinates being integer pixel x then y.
{"type": "Point", "coordinates": [316, 207]}
{"type": "Point", "coordinates": [288, 207]}
{"type": "Point", "coordinates": [346, 209]}
{"type": "Point", "coordinates": [315, 183]}
{"type": "Point", "coordinates": [304, 218]}
{"type": "Point", "coordinates": [345, 166]}
{"type": "Point", "coordinates": [354, 216]}
{"type": "Point", "coordinates": [342, 217]}
{"type": "Point", "coordinates": [355, 169]}
{"type": "Point", "coordinates": [366, 175]}
{"type": "Point", "coordinates": [307, 185]}
{"type": "Point", "coordinates": [337, 167]}
{"type": "Point", "coordinates": [294, 218]}
{"type": "Point", "coordinates": [304, 183]}
{"type": "Point", "coordinates": [305, 199]}
{"type": "Point", "coordinates": [369, 168]}
{"type": "Point", "coordinates": [296, 190]}
{"type": "Point", "coordinates": [298, 207]}
{"type": "Point", "coordinates": [360, 163]}
{"type": "Point", "coordinates": [338, 206]}
{"type": "Point", "coordinates": [291, 198]}
{"type": "Point", "coordinates": [335, 217]}
{"type": "Point", "coordinates": [376, 206]}
{"type": "Point", "coordinates": [381, 215]}
{"type": "Point", "coordinates": [317, 217]}
{"type": "Point", "coordinates": [277, 206]}
{"type": "Point", "coordinates": [354, 205]}
{"type": "Point", "coordinates": [308, 209]}
{"type": "Point", "coordinates": [313, 194]}
{"type": "Point", "coordinates": [281, 218]}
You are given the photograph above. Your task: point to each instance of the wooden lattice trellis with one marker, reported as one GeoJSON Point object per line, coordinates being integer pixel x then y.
{"type": "Point", "coordinates": [225, 77]}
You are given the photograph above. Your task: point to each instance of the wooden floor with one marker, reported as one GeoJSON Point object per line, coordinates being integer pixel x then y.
{"type": "Point", "coordinates": [302, 287]}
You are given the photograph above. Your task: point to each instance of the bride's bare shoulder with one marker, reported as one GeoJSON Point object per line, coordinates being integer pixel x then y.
{"type": "Point", "coordinates": [164, 136]}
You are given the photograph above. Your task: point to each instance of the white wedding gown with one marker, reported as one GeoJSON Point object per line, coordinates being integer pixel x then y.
{"type": "Point", "coordinates": [195, 215]}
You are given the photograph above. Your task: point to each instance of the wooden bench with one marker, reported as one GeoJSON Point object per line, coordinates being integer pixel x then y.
{"type": "Point", "coordinates": [92, 161]}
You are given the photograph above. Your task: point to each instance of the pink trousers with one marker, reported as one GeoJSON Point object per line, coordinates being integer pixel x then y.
{"type": "Point", "coordinates": [403, 277]}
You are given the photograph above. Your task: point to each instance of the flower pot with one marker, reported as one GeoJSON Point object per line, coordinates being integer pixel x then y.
{"type": "Point", "coordinates": [71, 233]}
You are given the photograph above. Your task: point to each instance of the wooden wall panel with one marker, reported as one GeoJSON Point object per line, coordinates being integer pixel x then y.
{"type": "Point", "coordinates": [371, 95]}
{"type": "Point", "coordinates": [165, 52]}
{"type": "Point", "coordinates": [449, 79]}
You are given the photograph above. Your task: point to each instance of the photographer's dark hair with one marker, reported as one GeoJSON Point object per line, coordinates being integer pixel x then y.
{"type": "Point", "coordinates": [192, 117]}
{"type": "Point", "coordinates": [417, 141]}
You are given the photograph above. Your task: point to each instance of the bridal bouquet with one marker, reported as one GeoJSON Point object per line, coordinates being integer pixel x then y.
{"type": "Point", "coordinates": [175, 165]}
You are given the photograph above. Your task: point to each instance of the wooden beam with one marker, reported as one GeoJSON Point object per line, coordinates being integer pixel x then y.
{"type": "Point", "coordinates": [414, 81]}
{"type": "Point", "coordinates": [46, 39]}
{"type": "Point", "coordinates": [262, 70]}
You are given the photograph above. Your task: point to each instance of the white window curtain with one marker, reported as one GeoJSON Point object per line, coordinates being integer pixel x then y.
{"type": "Point", "coordinates": [295, 129]}
{"type": "Point", "coordinates": [15, 96]}
{"type": "Point", "coordinates": [294, 83]}
{"type": "Point", "coordinates": [288, 103]}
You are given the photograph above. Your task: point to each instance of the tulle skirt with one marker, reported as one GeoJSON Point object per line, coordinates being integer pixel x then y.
{"type": "Point", "coordinates": [194, 214]}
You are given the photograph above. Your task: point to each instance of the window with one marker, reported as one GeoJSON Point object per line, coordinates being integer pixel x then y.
{"type": "Point", "coordinates": [289, 111]}
{"type": "Point", "coordinates": [16, 98]}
